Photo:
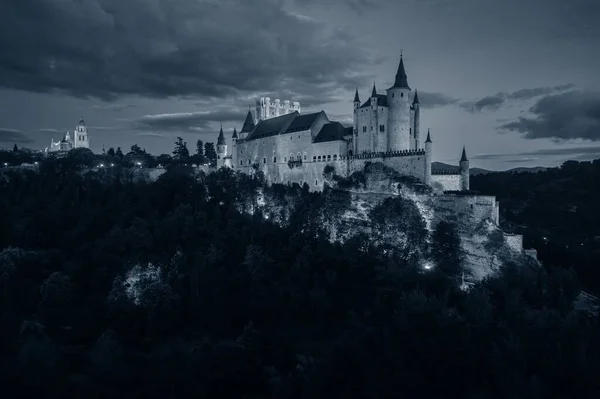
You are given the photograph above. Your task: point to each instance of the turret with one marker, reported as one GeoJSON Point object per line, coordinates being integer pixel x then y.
{"type": "Point", "coordinates": [247, 127]}
{"type": "Point", "coordinates": [398, 98]}
{"type": "Point", "coordinates": [355, 122]}
{"type": "Point", "coordinates": [80, 136]}
{"type": "Point", "coordinates": [463, 166]}
{"type": "Point", "coordinates": [428, 157]}
{"type": "Point", "coordinates": [221, 148]}
{"type": "Point", "coordinates": [416, 121]}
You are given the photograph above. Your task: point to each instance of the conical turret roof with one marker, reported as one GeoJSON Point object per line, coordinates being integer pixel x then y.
{"type": "Point", "coordinates": [416, 99]}
{"type": "Point", "coordinates": [401, 78]}
{"type": "Point", "coordinates": [428, 140]}
{"type": "Point", "coordinates": [374, 92]}
{"type": "Point", "coordinates": [234, 136]}
{"type": "Point", "coordinates": [248, 123]}
{"type": "Point", "coordinates": [221, 139]}
{"type": "Point", "coordinates": [463, 157]}
{"type": "Point", "coordinates": [356, 98]}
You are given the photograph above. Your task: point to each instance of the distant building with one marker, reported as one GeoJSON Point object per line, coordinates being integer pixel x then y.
{"type": "Point", "coordinates": [79, 139]}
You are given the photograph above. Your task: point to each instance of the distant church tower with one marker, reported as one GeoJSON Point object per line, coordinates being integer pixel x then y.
{"type": "Point", "coordinates": [398, 98]}
{"type": "Point", "coordinates": [80, 136]}
{"type": "Point", "coordinates": [463, 166]}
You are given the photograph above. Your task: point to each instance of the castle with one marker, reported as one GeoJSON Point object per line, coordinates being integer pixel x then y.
{"type": "Point", "coordinates": [290, 147]}
{"type": "Point", "coordinates": [80, 139]}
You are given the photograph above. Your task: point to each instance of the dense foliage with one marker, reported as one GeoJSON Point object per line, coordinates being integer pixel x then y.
{"type": "Point", "coordinates": [556, 210]}
{"type": "Point", "coordinates": [112, 288]}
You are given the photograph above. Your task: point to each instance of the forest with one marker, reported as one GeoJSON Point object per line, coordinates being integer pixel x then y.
{"type": "Point", "coordinates": [117, 288]}
{"type": "Point", "coordinates": [557, 212]}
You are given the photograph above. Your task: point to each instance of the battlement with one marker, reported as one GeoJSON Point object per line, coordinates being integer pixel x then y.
{"type": "Point", "coordinates": [265, 108]}
{"type": "Point", "coordinates": [387, 154]}
{"type": "Point", "coordinates": [440, 172]}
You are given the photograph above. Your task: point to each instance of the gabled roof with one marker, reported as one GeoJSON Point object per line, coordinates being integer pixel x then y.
{"type": "Point", "coordinates": [381, 101]}
{"type": "Point", "coordinates": [302, 122]}
{"type": "Point", "coordinates": [248, 123]}
{"type": "Point", "coordinates": [272, 126]}
{"type": "Point", "coordinates": [332, 131]}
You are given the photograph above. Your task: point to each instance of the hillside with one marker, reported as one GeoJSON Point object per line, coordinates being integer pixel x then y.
{"type": "Point", "coordinates": [556, 210]}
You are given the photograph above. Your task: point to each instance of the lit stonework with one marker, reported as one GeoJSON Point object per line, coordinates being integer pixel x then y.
{"type": "Point", "coordinates": [79, 139]}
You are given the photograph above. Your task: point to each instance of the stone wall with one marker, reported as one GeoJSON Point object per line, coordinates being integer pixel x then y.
{"type": "Point", "coordinates": [471, 208]}
{"type": "Point", "coordinates": [408, 163]}
{"type": "Point", "coordinates": [514, 242]}
{"type": "Point", "coordinates": [446, 182]}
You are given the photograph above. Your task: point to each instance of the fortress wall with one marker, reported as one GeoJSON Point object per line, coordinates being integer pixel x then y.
{"type": "Point", "coordinates": [441, 183]}
{"type": "Point", "coordinates": [514, 241]}
{"type": "Point", "coordinates": [408, 165]}
{"type": "Point", "coordinates": [308, 172]}
{"type": "Point", "coordinates": [471, 208]}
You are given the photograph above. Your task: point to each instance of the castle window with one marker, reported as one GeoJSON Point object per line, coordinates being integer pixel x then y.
{"type": "Point", "coordinates": [299, 157]}
{"type": "Point", "coordinates": [291, 137]}
{"type": "Point", "coordinates": [241, 162]}
{"type": "Point", "coordinates": [329, 157]}
{"type": "Point", "coordinates": [392, 94]}
{"type": "Point", "coordinates": [249, 162]}
{"type": "Point", "coordinates": [382, 128]}
{"type": "Point", "coordinates": [218, 157]}
{"type": "Point", "coordinates": [264, 160]}
{"type": "Point", "coordinates": [364, 129]}
{"type": "Point", "coordinates": [305, 156]}
{"type": "Point", "coordinates": [284, 159]}
{"type": "Point", "coordinates": [298, 137]}
{"type": "Point", "coordinates": [274, 159]}
{"type": "Point", "coordinates": [401, 94]}
{"type": "Point", "coordinates": [291, 157]}
{"type": "Point", "coordinates": [316, 182]}
{"type": "Point", "coordinates": [319, 158]}
{"type": "Point", "coordinates": [371, 128]}
{"type": "Point", "coordinates": [314, 158]}
{"type": "Point", "coordinates": [334, 157]}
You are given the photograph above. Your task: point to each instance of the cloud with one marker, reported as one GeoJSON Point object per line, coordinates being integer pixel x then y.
{"type": "Point", "coordinates": [13, 136]}
{"type": "Point", "coordinates": [115, 107]}
{"type": "Point", "coordinates": [161, 48]}
{"type": "Point", "coordinates": [435, 100]}
{"type": "Point", "coordinates": [496, 101]}
{"type": "Point", "coordinates": [565, 116]}
{"type": "Point", "coordinates": [51, 130]}
{"type": "Point", "coordinates": [189, 121]}
{"type": "Point", "coordinates": [575, 152]}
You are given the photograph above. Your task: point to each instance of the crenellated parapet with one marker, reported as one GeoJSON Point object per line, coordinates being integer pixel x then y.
{"type": "Point", "coordinates": [266, 109]}
{"type": "Point", "coordinates": [386, 154]}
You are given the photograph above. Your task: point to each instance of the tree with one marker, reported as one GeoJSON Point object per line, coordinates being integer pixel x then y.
{"type": "Point", "coordinates": [446, 249]}
{"type": "Point", "coordinates": [210, 153]}
{"type": "Point", "coordinates": [110, 152]}
{"type": "Point", "coordinates": [135, 150]}
{"type": "Point", "coordinates": [15, 148]}
{"type": "Point", "coordinates": [180, 152]}
{"type": "Point", "coordinates": [200, 148]}
{"type": "Point", "coordinates": [119, 153]}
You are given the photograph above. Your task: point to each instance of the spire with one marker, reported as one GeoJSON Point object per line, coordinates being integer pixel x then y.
{"type": "Point", "coordinates": [356, 99]}
{"type": "Point", "coordinates": [416, 99]}
{"type": "Point", "coordinates": [374, 93]}
{"type": "Point", "coordinates": [248, 123]}
{"type": "Point", "coordinates": [401, 78]}
{"type": "Point", "coordinates": [428, 140]}
{"type": "Point", "coordinates": [81, 121]}
{"type": "Point", "coordinates": [234, 136]}
{"type": "Point", "coordinates": [221, 139]}
{"type": "Point", "coordinates": [463, 158]}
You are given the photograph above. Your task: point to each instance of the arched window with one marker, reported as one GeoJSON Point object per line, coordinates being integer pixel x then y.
{"type": "Point", "coordinates": [264, 160]}
{"type": "Point", "coordinates": [284, 159]}
{"type": "Point", "coordinates": [274, 159]}
{"type": "Point", "coordinates": [334, 157]}
{"type": "Point", "coordinates": [329, 157]}
{"type": "Point", "coordinates": [299, 157]}
{"type": "Point", "coordinates": [241, 162]}
{"type": "Point", "coordinates": [291, 157]}
{"type": "Point", "coordinates": [304, 156]}
{"type": "Point", "coordinates": [314, 158]}
{"type": "Point", "coordinates": [316, 182]}
{"type": "Point", "coordinates": [319, 158]}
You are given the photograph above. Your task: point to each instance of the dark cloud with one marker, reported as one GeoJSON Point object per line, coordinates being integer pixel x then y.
{"type": "Point", "coordinates": [116, 107]}
{"type": "Point", "coordinates": [161, 48]}
{"type": "Point", "coordinates": [13, 136]}
{"type": "Point", "coordinates": [189, 121]}
{"type": "Point", "coordinates": [575, 152]}
{"type": "Point", "coordinates": [496, 101]}
{"type": "Point", "coordinates": [565, 116]}
{"type": "Point", "coordinates": [435, 100]}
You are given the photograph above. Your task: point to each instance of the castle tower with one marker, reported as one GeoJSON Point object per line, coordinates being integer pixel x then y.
{"type": "Point", "coordinates": [428, 153]}
{"type": "Point", "coordinates": [416, 111]}
{"type": "Point", "coordinates": [234, 139]}
{"type": "Point", "coordinates": [463, 166]}
{"type": "Point", "coordinates": [398, 98]}
{"type": "Point", "coordinates": [80, 136]}
{"type": "Point", "coordinates": [247, 127]}
{"type": "Point", "coordinates": [373, 134]}
{"type": "Point", "coordinates": [221, 149]}
{"type": "Point", "coordinates": [355, 123]}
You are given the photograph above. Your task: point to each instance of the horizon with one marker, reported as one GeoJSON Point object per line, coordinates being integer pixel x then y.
{"type": "Point", "coordinates": [522, 94]}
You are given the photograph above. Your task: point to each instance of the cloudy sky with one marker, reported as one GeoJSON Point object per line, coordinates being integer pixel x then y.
{"type": "Point", "coordinates": [516, 81]}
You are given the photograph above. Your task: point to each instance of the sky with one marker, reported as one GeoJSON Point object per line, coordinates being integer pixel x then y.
{"type": "Point", "coordinates": [515, 81]}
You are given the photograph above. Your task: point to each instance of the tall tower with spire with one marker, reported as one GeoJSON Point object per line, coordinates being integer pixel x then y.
{"type": "Point", "coordinates": [463, 167]}
{"type": "Point", "coordinates": [80, 136]}
{"type": "Point", "coordinates": [428, 157]}
{"type": "Point", "coordinates": [355, 123]}
{"type": "Point", "coordinates": [398, 123]}
{"type": "Point", "coordinates": [416, 123]}
{"type": "Point", "coordinates": [221, 148]}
